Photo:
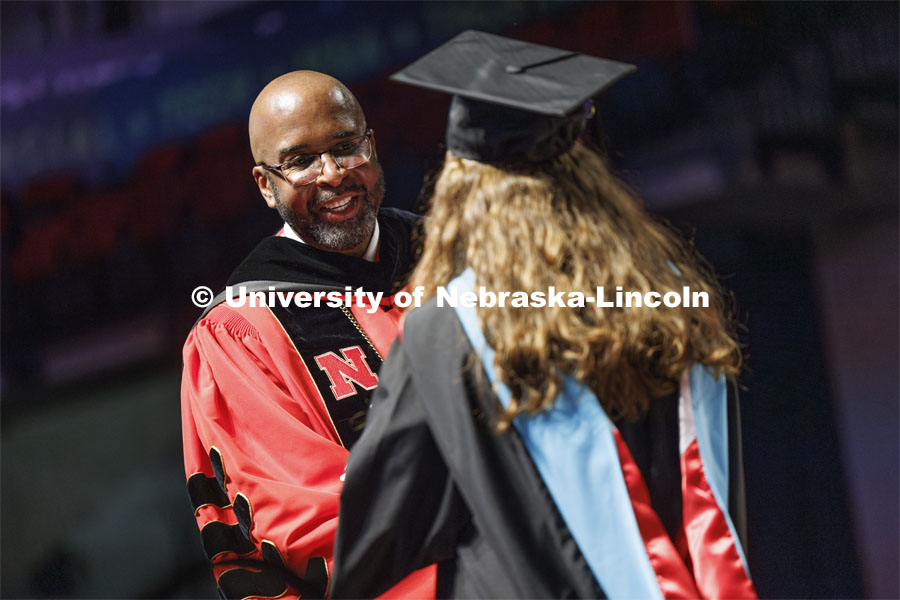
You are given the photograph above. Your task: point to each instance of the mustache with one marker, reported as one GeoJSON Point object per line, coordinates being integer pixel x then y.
{"type": "Point", "coordinates": [325, 195]}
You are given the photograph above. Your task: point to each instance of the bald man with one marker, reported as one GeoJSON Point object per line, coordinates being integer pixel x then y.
{"type": "Point", "coordinates": [293, 120]}
{"type": "Point", "coordinates": [274, 396]}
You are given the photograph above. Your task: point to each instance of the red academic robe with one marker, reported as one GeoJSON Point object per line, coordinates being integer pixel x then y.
{"type": "Point", "coordinates": [272, 398]}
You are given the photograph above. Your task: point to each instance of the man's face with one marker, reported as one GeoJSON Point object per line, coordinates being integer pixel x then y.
{"type": "Point", "coordinates": [336, 211]}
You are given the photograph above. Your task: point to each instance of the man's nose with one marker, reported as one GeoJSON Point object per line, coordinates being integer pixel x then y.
{"type": "Point", "coordinates": [332, 174]}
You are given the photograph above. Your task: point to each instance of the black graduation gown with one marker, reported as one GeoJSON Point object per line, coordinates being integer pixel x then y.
{"type": "Point", "coordinates": [429, 481]}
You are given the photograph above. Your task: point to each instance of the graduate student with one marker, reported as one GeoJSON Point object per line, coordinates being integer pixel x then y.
{"type": "Point", "coordinates": [538, 450]}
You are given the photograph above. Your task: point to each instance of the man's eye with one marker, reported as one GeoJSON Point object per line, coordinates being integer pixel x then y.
{"type": "Point", "coordinates": [345, 148]}
{"type": "Point", "coordinates": [300, 163]}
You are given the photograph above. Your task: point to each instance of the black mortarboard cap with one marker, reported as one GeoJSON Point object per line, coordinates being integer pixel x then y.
{"type": "Point", "coordinates": [513, 101]}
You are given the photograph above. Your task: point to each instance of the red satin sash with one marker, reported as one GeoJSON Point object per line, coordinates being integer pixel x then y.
{"type": "Point", "coordinates": [718, 569]}
{"type": "Point", "coordinates": [706, 563]}
{"type": "Point", "coordinates": [673, 576]}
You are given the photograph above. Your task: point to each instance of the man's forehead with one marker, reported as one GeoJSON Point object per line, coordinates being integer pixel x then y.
{"type": "Point", "coordinates": [302, 108]}
{"type": "Point", "coordinates": [297, 122]}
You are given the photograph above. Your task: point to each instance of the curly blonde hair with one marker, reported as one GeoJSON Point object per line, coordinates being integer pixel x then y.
{"type": "Point", "coordinates": [569, 223]}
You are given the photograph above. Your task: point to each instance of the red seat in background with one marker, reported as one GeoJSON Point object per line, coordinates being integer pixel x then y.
{"type": "Point", "coordinates": [46, 195]}
{"type": "Point", "coordinates": [41, 249]}
{"type": "Point", "coordinates": [98, 222]}
{"type": "Point", "coordinates": [157, 193]}
{"type": "Point", "coordinates": [219, 175]}
{"type": "Point", "coordinates": [45, 227]}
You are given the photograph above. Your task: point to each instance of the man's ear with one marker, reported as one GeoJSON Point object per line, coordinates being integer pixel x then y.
{"type": "Point", "coordinates": [262, 182]}
{"type": "Point", "coordinates": [372, 141]}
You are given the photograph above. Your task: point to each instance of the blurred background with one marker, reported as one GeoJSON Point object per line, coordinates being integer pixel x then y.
{"type": "Point", "coordinates": [766, 131]}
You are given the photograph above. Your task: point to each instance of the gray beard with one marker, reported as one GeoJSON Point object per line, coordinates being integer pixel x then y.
{"type": "Point", "coordinates": [336, 237]}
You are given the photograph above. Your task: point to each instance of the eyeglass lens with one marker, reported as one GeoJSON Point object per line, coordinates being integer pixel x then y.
{"type": "Point", "coordinates": [347, 155]}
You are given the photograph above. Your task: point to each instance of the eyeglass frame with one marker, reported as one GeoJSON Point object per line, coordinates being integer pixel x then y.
{"type": "Point", "coordinates": [277, 169]}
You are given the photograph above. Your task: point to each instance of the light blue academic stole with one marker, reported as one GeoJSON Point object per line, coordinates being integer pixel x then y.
{"type": "Point", "coordinates": [574, 449]}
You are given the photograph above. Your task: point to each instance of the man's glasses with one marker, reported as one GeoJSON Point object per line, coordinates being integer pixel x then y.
{"type": "Point", "coordinates": [305, 169]}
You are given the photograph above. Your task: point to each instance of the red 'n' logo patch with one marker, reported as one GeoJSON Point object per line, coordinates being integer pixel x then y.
{"type": "Point", "coordinates": [344, 372]}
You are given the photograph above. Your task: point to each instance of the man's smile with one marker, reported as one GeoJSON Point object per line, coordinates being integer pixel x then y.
{"type": "Point", "coordinates": [340, 207]}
